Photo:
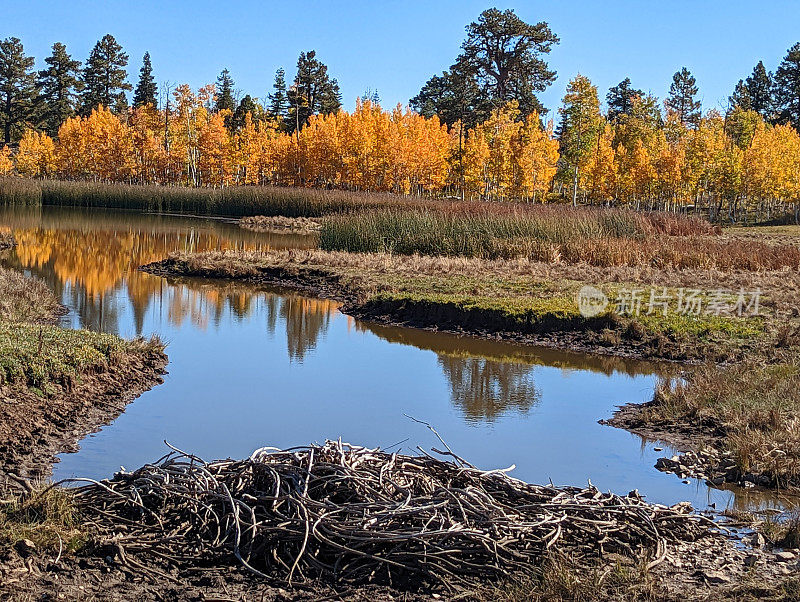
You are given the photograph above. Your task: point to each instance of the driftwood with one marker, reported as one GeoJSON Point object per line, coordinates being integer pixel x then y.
{"type": "Point", "coordinates": [353, 514]}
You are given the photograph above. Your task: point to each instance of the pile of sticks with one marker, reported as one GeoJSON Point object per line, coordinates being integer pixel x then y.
{"type": "Point", "coordinates": [360, 515]}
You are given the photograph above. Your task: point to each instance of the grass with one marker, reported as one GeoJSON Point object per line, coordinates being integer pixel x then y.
{"type": "Point", "coordinates": [601, 237]}
{"type": "Point", "coordinates": [231, 201]}
{"type": "Point", "coordinates": [35, 353]}
{"type": "Point", "coordinates": [19, 191]}
{"type": "Point", "coordinates": [512, 296]}
{"type": "Point", "coordinates": [494, 231]}
{"type": "Point", "coordinates": [25, 299]}
{"type": "Point", "coordinates": [44, 356]}
{"type": "Point", "coordinates": [263, 223]}
{"type": "Point", "coordinates": [755, 407]}
{"type": "Point", "coordinates": [46, 517]}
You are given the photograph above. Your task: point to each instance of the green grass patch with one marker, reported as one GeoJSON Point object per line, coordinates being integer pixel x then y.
{"type": "Point", "coordinates": [40, 356]}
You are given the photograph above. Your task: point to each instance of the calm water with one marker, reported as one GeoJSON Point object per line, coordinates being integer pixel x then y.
{"type": "Point", "coordinates": [251, 367]}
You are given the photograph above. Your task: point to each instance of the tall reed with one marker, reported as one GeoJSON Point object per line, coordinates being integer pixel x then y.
{"type": "Point", "coordinates": [493, 231]}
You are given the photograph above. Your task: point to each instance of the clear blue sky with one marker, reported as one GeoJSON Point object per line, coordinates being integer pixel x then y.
{"type": "Point", "coordinates": [395, 47]}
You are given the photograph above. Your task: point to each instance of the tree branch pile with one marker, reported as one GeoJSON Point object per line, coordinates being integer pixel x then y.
{"type": "Point", "coordinates": [353, 514]}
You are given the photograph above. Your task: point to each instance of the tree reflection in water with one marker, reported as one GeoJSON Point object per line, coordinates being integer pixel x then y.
{"type": "Point", "coordinates": [485, 389]}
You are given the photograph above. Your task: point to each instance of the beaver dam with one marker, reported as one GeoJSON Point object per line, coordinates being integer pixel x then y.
{"type": "Point", "coordinates": [352, 514]}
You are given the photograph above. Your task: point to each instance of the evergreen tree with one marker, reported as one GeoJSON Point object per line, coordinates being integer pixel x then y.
{"type": "Point", "coordinates": [146, 90]}
{"type": "Point", "coordinates": [503, 53]}
{"type": "Point", "coordinates": [104, 77]}
{"type": "Point", "coordinates": [58, 85]}
{"type": "Point", "coordinates": [759, 88]}
{"type": "Point", "coordinates": [681, 98]}
{"type": "Point", "coordinates": [740, 97]}
{"type": "Point", "coordinates": [501, 60]}
{"type": "Point", "coordinates": [278, 101]}
{"type": "Point", "coordinates": [454, 96]}
{"type": "Point", "coordinates": [18, 89]}
{"type": "Point", "coordinates": [620, 99]}
{"type": "Point", "coordinates": [313, 91]}
{"type": "Point", "coordinates": [372, 96]}
{"type": "Point", "coordinates": [247, 105]}
{"type": "Point", "coordinates": [225, 98]}
{"type": "Point", "coordinates": [787, 88]}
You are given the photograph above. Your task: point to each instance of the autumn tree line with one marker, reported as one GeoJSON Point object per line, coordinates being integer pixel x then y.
{"type": "Point", "coordinates": [478, 130]}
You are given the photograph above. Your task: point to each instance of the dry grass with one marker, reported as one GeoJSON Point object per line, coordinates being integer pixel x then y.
{"type": "Point", "coordinates": [46, 517]}
{"type": "Point", "coordinates": [756, 407]}
{"type": "Point", "coordinates": [263, 223]}
{"type": "Point", "coordinates": [24, 299]}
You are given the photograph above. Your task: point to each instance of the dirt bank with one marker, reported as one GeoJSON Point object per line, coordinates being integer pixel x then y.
{"type": "Point", "coordinates": [520, 301]}
{"type": "Point", "coordinates": [34, 427]}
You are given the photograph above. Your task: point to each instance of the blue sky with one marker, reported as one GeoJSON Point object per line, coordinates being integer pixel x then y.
{"type": "Point", "coordinates": [395, 47]}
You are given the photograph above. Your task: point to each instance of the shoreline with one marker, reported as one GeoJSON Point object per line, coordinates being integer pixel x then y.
{"type": "Point", "coordinates": [37, 428]}
{"type": "Point", "coordinates": [555, 329]}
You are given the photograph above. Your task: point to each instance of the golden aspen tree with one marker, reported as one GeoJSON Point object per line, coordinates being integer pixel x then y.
{"type": "Point", "coordinates": [600, 175]}
{"type": "Point", "coordinates": [36, 154]}
{"type": "Point", "coordinates": [6, 164]}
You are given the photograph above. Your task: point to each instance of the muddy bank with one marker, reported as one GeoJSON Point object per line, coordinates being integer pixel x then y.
{"type": "Point", "coordinates": [35, 427]}
{"type": "Point", "coordinates": [699, 446]}
{"type": "Point", "coordinates": [603, 334]}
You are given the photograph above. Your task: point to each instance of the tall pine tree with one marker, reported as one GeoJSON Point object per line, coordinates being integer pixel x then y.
{"type": "Point", "coordinates": [146, 90]}
{"type": "Point", "coordinates": [681, 98]}
{"type": "Point", "coordinates": [313, 91]}
{"type": "Point", "coordinates": [278, 101]}
{"type": "Point", "coordinates": [787, 88]}
{"type": "Point", "coordinates": [502, 59]}
{"type": "Point", "coordinates": [18, 89]}
{"type": "Point", "coordinates": [104, 77]}
{"type": "Point", "coordinates": [225, 98]}
{"type": "Point", "coordinates": [59, 85]}
{"type": "Point", "coordinates": [620, 99]}
{"type": "Point", "coordinates": [759, 88]}
{"type": "Point", "coordinates": [741, 97]}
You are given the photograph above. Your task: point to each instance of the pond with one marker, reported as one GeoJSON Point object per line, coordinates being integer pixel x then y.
{"type": "Point", "coordinates": [252, 366]}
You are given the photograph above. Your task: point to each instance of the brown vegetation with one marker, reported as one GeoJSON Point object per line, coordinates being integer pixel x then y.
{"type": "Point", "coordinates": [754, 408]}
{"type": "Point", "coordinates": [277, 223]}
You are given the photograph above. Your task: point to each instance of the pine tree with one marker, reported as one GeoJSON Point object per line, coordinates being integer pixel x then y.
{"type": "Point", "coordinates": [620, 99]}
{"type": "Point", "coordinates": [741, 97]}
{"type": "Point", "coordinates": [146, 90]}
{"type": "Point", "coordinates": [313, 91]}
{"type": "Point", "coordinates": [58, 86]}
{"type": "Point", "coordinates": [759, 88]}
{"type": "Point", "coordinates": [225, 92]}
{"type": "Point", "coordinates": [247, 105]}
{"type": "Point", "coordinates": [18, 90]}
{"type": "Point", "coordinates": [104, 77]}
{"type": "Point", "coordinates": [681, 98]}
{"type": "Point", "coordinates": [504, 54]}
{"type": "Point", "coordinates": [372, 96]}
{"type": "Point", "coordinates": [278, 102]}
{"type": "Point", "coordinates": [787, 88]}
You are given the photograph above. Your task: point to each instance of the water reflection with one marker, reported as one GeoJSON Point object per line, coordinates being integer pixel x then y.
{"type": "Point", "coordinates": [490, 378]}
{"type": "Point", "coordinates": [252, 366]}
{"type": "Point", "coordinates": [89, 258]}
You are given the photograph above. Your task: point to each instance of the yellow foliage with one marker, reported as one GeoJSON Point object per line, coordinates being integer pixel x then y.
{"type": "Point", "coordinates": [6, 164]}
